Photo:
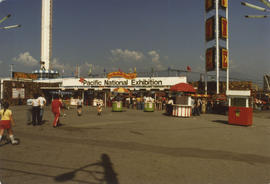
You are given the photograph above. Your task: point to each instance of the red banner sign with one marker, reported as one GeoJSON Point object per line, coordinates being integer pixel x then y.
{"type": "Point", "coordinates": [122, 74]}
{"type": "Point", "coordinates": [210, 29]}
{"type": "Point", "coordinates": [210, 59]}
{"type": "Point", "coordinates": [223, 3]}
{"type": "Point", "coordinates": [223, 28]}
{"type": "Point", "coordinates": [209, 5]}
{"type": "Point", "coordinates": [223, 58]}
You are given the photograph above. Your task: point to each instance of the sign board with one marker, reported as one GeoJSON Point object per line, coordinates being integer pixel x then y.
{"type": "Point", "coordinates": [223, 4]}
{"type": "Point", "coordinates": [210, 59]}
{"type": "Point", "coordinates": [223, 58]}
{"type": "Point", "coordinates": [223, 28]}
{"type": "Point", "coordinates": [18, 93]}
{"type": "Point", "coordinates": [21, 75]}
{"type": "Point", "coordinates": [122, 74]}
{"type": "Point", "coordinates": [209, 5]}
{"type": "Point", "coordinates": [121, 82]}
{"type": "Point", "coordinates": [210, 29]}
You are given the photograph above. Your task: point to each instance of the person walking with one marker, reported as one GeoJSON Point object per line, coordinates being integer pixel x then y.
{"type": "Point", "coordinates": [99, 107]}
{"type": "Point", "coordinates": [56, 109]}
{"type": "Point", "coordinates": [42, 102]}
{"type": "Point", "coordinates": [7, 122]}
{"type": "Point", "coordinates": [36, 111]}
{"type": "Point", "coordinates": [79, 106]}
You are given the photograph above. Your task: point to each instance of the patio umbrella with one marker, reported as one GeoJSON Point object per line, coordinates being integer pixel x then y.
{"type": "Point", "coordinates": [183, 87]}
{"type": "Point", "coordinates": [121, 90]}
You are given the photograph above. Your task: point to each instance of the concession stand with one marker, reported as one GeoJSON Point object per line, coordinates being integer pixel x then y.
{"type": "Point", "coordinates": [117, 104]}
{"type": "Point", "coordinates": [149, 105]}
{"type": "Point", "coordinates": [240, 110]}
{"type": "Point", "coordinates": [182, 106]}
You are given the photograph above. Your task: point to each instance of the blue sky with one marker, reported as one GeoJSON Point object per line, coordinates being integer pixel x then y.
{"type": "Point", "coordinates": [124, 34]}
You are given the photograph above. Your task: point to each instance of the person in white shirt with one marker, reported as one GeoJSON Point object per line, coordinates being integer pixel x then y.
{"type": "Point", "coordinates": [79, 106]}
{"type": "Point", "coordinates": [36, 111]}
{"type": "Point", "coordinates": [99, 107]}
{"type": "Point", "coordinates": [42, 102]}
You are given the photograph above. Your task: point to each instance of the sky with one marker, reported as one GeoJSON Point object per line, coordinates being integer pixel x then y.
{"type": "Point", "coordinates": [123, 34]}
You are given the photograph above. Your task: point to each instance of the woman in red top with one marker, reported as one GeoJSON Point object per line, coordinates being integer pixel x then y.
{"type": "Point", "coordinates": [56, 107]}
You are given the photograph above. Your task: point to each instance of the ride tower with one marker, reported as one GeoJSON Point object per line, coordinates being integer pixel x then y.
{"type": "Point", "coordinates": [216, 40]}
{"type": "Point", "coordinates": [46, 42]}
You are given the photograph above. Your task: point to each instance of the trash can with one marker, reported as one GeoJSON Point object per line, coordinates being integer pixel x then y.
{"type": "Point", "coordinates": [117, 106]}
{"type": "Point", "coordinates": [240, 112]}
{"type": "Point", "coordinates": [149, 107]}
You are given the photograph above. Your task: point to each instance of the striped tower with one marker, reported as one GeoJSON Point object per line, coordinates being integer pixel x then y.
{"type": "Point", "coordinates": [46, 34]}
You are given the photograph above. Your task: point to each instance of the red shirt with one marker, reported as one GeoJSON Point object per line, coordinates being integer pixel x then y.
{"type": "Point", "coordinates": [56, 105]}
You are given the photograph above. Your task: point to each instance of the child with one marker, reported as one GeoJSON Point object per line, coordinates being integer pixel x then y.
{"type": "Point", "coordinates": [99, 107]}
{"type": "Point", "coordinates": [6, 121]}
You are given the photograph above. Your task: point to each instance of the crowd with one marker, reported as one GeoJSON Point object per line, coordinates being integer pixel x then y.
{"type": "Point", "coordinates": [36, 105]}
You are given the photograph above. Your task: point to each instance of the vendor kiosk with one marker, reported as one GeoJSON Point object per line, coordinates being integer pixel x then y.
{"type": "Point", "coordinates": [149, 107]}
{"type": "Point", "coordinates": [240, 112]}
{"type": "Point", "coordinates": [117, 106]}
{"type": "Point", "coordinates": [183, 107]}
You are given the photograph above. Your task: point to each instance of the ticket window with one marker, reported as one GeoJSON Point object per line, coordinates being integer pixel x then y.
{"type": "Point", "coordinates": [239, 102]}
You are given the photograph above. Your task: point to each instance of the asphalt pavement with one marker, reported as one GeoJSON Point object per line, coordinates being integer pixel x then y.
{"type": "Point", "coordinates": [136, 147]}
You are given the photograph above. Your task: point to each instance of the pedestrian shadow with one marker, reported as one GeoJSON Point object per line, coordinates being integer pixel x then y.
{"type": "Point", "coordinates": [221, 121]}
{"type": "Point", "coordinates": [108, 176]}
{"type": "Point", "coordinates": [227, 123]}
{"type": "Point", "coordinates": [166, 114]}
{"type": "Point", "coordinates": [43, 122]}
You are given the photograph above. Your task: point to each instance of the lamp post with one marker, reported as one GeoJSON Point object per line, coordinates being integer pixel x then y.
{"type": "Point", "coordinates": [8, 27]}
{"type": "Point", "coordinates": [259, 8]}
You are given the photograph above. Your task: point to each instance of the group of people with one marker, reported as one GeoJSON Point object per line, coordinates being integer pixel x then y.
{"type": "Point", "coordinates": [37, 109]}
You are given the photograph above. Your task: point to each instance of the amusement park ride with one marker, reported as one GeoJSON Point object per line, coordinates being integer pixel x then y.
{"type": "Point", "coordinates": [8, 27]}
{"type": "Point", "coordinates": [265, 2]}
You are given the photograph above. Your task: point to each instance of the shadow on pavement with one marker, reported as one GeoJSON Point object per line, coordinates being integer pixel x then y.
{"type": "Point", "coordinates": [221, 121]}
{"type": "Point", "coordinates": [109, 175]}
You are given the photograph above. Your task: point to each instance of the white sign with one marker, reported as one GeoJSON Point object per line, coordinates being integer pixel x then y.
{"type": "Point", "coordinates": [18, 92]}
{"type": "Point", "coordinates": [121, 82]}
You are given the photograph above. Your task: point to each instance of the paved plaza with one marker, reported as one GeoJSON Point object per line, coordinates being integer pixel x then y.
{"type": "Point", "coordinates": [136, 147]}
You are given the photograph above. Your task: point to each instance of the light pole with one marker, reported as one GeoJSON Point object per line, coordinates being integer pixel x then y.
{"type": "Point", "coordinates": [259, 8]}
{"type": "Point", "coordinates": [8, 27]}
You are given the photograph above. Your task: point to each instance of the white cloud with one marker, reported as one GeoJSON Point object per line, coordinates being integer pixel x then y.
{"type": "Point", "coordinates": [26, 59]}
{"type": "Point", "coordinates": [155, 58]}
{"type": "Point", "coordinates": [63, 68]}
{"type": "Point", "coordinates": [2, 1]}
{"type": "Point", "coordinates": [126, 55]}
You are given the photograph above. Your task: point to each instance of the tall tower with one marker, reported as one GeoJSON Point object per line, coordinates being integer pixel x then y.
{"type": "Point", "coordinates": [46, 34]}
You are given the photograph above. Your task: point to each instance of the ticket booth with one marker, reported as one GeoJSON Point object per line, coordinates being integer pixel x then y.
{"type": "Point", "coordinates": [240, 110]}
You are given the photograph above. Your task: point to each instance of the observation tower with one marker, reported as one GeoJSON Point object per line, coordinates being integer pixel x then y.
{"type": "Point", "coordinates": [46, 42]}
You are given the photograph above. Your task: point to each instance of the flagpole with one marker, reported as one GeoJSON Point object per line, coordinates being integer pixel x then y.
{"type": "Point", "coordinates": [205, 44]}
{"type": "Point", "coordinates": [227, 47]}
{"type": "Point", "coordinates": [217, 45]}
